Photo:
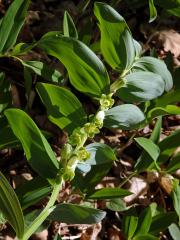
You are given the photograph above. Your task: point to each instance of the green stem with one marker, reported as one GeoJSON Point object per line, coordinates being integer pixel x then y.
{"type": "Point", "coordinates": [44, 214]}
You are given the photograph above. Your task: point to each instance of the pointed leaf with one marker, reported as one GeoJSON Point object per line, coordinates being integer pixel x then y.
{"type": "Point", "coordinates": [10, 207]}
{"type": "Point", "coordinates": [153, 12]}
{"type": "Point", "coordinates": [76, 214]}
{"type": "Point", "coordinates": [69, 28]}
{"type": "Point", "coordinates": [86, 71]}
{"type": "Point", "coordinates": [117, 44]}
{"type": "Point", "coordinates": [108, 193]}
{"type": "Point", "coordinates": [63, 108]}
{"type": "Point", "coordinates": [37, 149]}
{"type": "Point", "coordinates": [12, 23]}
{"type": "Point", "coordinates": [174, 164]}
{"type": "Point", "coordinates": [43, 70]}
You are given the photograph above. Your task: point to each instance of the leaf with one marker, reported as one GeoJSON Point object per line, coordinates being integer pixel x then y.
{"type": "Point", "coordinates": [168, 146]}
{"type": "Point", "coordinates": [11, 24]}
{"type": "Point", "coordinates": [101, 157]}
{"type": "Point", "coordinates": [38, 151]}
{"type": "Point", "coordinates": [108, 193]}
{"type": "Point", "coordinates": [5, 94]}
{"type": "Point", "coordinates": [43, 70]}
{"type": "Point", "coordinates": [129, 223]}
{"type": "Point", "coordinates": [86, 71]}
{"type": "Point", "coordinates": [116, 204]}
{"type": "Point", "coordinates": [57, 237]}
{"type": "Point", "coordinates": [161, 222]}
{"type": "Point", "coordinates": [76, 214]}
{"type": "Point", "coordinates": [176, 200]}
{"type": "Point", "coordinates": [174, 164]}
{"type": "Point", "coordinates": [69, 28]}
{"type": "Point", "coordinates": [153, 11]}
{"type": "Point", "coordinates": [144, 162]}
{"type": "Point", "coordinates": [168, 98]}
{"type": "Point", "coordinates": [10, 207]}
{"type": "Point", "coordinates": [8, 140]}
{"type": "Point", "coordinates": [33, 191]}
{"type": "Point", "coordinates": [117, 44]}
{"type": "Point", "coordinates": [174, 231]}
{"type": "Point", "coordinates": [141, 86]}
{"type": "Point", "coordinates": [148, 145]}
{"type": "Point", "coordinates": [144, 223]}
{"type": "Point", "coordinates": [161, 111]}
{"type": "Point", "coordinates": [146, 236]}
{"type": "Point", "coordinates": [63, 108]}
{"type": "Point", "coordinates": [157, 66]}
{"type": "Point", "coordinates": [126, 117]}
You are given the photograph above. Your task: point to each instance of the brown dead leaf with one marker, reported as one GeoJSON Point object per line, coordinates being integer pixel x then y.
{"type": "Point", "coordinates": [92, 232]}
{"type": "Point", "coordinates": [138, 186]}
{"type": "Point", "coordinates": [169, 41]}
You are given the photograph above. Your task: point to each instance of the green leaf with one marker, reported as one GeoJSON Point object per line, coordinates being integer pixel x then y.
{"type": "Point", "coordinates": [129, 224]}
{"type": "Point", "coordinates": [108, 193]}
{"type": "Point", "coordinates": [145, 161]}
{"type": "Point", "coordinates": [153, 11]}
{"type": "Point", "coordinates": [141, 86]}
{"type": "Point", "coordinates": [43, 70]}
{"type": "Point", "coordinates": [144, 223]}
{"type": "Point", "coordinates": [157, 66]}
{"type": "Point", "coordinates": [117, 44]}
{"type": "Point", "coordinates": [76, 214]}
{"type": "Point", "coordinates": [174, 164]}
{"type": "Point", "coordinates": [161, 222]}
{"type": "Point", "coordinates": [5, 94]}
{"type": "Point", "coordinates": [161, 111]}
{"type": "Point", "coordinates": [126, 117]}
{"type": "Point", "coordinates": [33, 191]}
{"type": "Point", "coordinates": [101, 157]}
{"type": "Point", "coordinates": [57, 237]}
{"type": "Point", "coordinates": [69, 28]}
{"type": "Point", "coordinates": [10, 207]}
{"type": "Point", "coordinates": [63, 108]}
{"type": "Point", "coordinates": [168, 145]}
{"type": "Point", "coordinates": [86, 71]}
{"type": "Point", "coordinates": [38, 151]}
{"type": "Point", "coordinates": [176, 200]}
{"type": "Point", "coordinates": [8, 140]}
{"type": "Point", "coordinates": [174, 231]}
{"type": "Point", "coordinates": [12, 23]}
{"type": "Point", "coordinates": [168, 98]}
{"type": "Point", "coordinates": [151, 148]}
{"type": "Point", "coordinates": [146, 236]}
{"type": "Point", "coordinates": [116, 204]}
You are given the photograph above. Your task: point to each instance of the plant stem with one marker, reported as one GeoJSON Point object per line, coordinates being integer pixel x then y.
{"type": "Point", "coordinates": [45, 213]}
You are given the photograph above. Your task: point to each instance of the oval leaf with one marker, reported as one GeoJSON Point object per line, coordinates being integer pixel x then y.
{"type": "Point", "coordinates": [117, 44]}
{"type": "Point", "coordinates": [37, 149]}
{"type": "Point", "coordinates": [10, 207]}
{"type": "Point", "coordinates": [157, 66]}
{"type": "Point", "coordinates": [86, 71]}
{"type": "Point", "coordinates": [126, 116]}
{"type": "Point", "coordinates": [76, 214]}
{"type": "Point", "coordinates": [63, 108]}
{"type": "Point", "coordinates": [141, 86]}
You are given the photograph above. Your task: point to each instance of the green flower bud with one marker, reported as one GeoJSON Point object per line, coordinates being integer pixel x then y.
{"type": "Point", "coordinates": [66, 151]}
{"type": "Point", "coordinates": [99, 118]}
{"type": "Point", "coordinates": [68, 174]}
{"type": "Point", "coordinates": [77, 136]}
{"type": "Point", "coordinates": [106, 101]}
{"type": "Point", "coordinates": [91, 129]}
{"type": "Point", "coordinates": [82, 154]}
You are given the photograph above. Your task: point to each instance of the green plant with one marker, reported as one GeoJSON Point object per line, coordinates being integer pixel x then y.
{"type": "Point", "coordinates": [141, 80]}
